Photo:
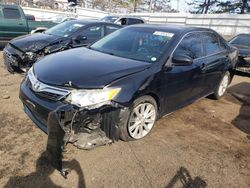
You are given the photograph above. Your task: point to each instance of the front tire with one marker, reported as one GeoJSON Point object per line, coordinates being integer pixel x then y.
{"type": "Point", "coordinates": [222, 87]}
{"type": "Point", "coordinates": [141, 120]}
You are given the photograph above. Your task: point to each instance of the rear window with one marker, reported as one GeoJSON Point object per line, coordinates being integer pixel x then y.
{"type": "Point", "coordinates": [11, 13]}
{"type": "Point", "coordinates": [212, 44]}
{"type": "Point", "coordinates": [134, 21]}
{"type": "Point", "coordinates": [243, 40]}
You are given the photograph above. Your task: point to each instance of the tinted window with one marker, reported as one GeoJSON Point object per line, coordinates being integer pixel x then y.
{"type": "Point", "coordinates": [211, 43]}
{"type": "Point", "coordinates": [223, 45]}
{"type": "Point", "coordinates": [93, 32]}
{"type": "Point", "coordinates": [191, 45]}
{"type": "Point", "coordinates": [134, 21]}
{"type": "Point", "coordinates": [110, 29]}
{"type": "Point", "coordinates": [243, 40]}
{"type": "Point", "coordinates": [11, 13]}
{"type": "Point", "coordinates": [64, 29]}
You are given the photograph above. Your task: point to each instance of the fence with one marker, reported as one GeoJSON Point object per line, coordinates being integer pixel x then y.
{"type": "Point", "coordinates": [84, 13]}
{"type": "Point", "coordinates": [225, 24]}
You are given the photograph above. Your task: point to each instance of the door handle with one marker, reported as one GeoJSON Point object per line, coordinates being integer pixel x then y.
{"type": "Point", "coordinates": [203, 66]}
{"type": "Point", "coordinates": [20, 24]}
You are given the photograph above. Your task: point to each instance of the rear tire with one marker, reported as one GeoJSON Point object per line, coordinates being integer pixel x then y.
{"type": "Point", "coordinates": [222, 87]}
{"type": "Point", "coordinates": [141, 119]}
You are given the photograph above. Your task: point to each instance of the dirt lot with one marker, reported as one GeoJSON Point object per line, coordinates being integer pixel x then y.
{"type": "Point", "coordinates": [205, 143]}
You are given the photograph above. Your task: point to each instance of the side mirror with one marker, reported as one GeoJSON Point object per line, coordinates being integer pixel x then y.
{"type": "Point", "coordinates": [182, 59]}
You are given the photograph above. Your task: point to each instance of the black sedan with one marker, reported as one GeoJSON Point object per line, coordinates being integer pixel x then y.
{"type": "Point", "coordinates": [242, 43]}
{"type": "Point", "coordinates": [123, 83]}
{"type": "Point", "coordinates": [22, 52]}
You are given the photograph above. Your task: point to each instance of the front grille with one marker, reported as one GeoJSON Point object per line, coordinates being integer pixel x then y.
{"type": "Point", "coordinates": [45, 91]}
{"type": "Point", "coordinates": [48, 95]}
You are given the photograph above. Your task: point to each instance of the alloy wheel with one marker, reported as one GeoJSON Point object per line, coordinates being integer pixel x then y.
{"type": "Point", "coordinates": [141, 120]}
{"type": "Point", "coordinates": [223, 85]}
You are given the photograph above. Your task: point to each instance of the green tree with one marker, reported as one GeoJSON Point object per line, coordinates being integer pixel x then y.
{"type": "Point", "coordinates": [232, 6]}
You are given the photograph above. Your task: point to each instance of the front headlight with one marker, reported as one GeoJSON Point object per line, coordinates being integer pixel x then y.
{"type": "Point", "coordinates": [31, 55]}
{"type": "Point", "coordinates": [95, 97]}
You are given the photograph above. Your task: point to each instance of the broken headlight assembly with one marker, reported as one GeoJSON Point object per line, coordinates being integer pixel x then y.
{"type": "Point", "coordinates": [93, 98]}
{"type": "Point", "coordinates": [31, 56]}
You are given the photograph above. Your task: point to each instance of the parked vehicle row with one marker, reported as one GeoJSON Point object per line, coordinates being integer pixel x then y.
{"type": "Point", "coordinates": [100, 78]}
{"type": "Point", "coordinates": [119, 86]}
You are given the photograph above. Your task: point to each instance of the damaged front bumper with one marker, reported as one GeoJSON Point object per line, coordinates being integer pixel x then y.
{"type": "Point", "coordinates": [16, 60]}
{"type": "Point", "coordinates": [84, 128]}
{"type": "Point", "coordinates": [87, 129]}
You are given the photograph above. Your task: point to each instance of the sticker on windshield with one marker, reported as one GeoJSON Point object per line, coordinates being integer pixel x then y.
{"type": "Point", "coordinates": [77, 25]}
{"type": "Point", "coordinates": [153, 59]}
{"type": "Point", "coordinates": [162, 33]}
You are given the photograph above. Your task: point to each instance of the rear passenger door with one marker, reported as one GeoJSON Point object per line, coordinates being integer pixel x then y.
{"type": "Point", "coordinates": [12, 23]}
{"type": "Point", "coordinates": [215, 61]}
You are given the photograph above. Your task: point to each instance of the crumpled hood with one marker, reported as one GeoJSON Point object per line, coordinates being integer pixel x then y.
{"type": "Point", "coordinates": [34, 42]}
{"type": "Point", "coordinates": [85, 68]}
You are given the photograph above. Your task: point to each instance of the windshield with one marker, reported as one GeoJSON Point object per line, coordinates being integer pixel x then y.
{"type": "Point", "coordinates": [243, 40]}
{"type": "Point", "coordinates": [143, 44]}
{"type": "Point", "coordinates": [64, 29]}
{"type": "Point", "coordinates": [110, 18]}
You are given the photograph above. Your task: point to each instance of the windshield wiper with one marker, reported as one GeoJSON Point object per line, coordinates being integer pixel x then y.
{"type": "Point", "coordinates": [110, 53]}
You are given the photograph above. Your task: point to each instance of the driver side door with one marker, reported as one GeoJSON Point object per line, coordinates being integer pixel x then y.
{"type": "Point", "coordinates": [183, 80]}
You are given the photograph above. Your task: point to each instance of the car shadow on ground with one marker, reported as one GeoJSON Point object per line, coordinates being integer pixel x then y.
{"type": "Point", "coordinates": [40, 178]}
{"type": "Point", "coordinates": [184, 180]}
{"type": "Point", "coordinates": [242, 93]}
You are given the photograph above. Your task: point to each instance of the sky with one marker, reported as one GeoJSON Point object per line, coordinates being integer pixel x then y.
{"type": "Point", "coordinates": [182, 5]}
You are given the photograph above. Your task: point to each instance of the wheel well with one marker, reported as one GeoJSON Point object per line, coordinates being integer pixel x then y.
{"type": "Point", "coordinates": [232, 72]}
{"type": "Point", "coordinates": [39, 31]}
{"type": "Point", "coordinates": [156, 98]}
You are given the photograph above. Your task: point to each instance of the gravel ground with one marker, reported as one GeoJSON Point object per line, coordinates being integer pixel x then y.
{"type": "Point", "coordinates": [205, 144]}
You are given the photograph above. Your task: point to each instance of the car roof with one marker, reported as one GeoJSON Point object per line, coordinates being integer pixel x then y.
{"type": "Point", "coordinates": [132, 17]}
{"type": "Point", "coordinates": [243, 34]}
{"type": "Point", "coordinates": [9, 5]}
{"type": "Point", "coordinates": [86, 22]}
{"type": "Point", "coordinates": [171, 27]}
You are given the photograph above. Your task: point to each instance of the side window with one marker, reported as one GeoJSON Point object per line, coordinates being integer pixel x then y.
{"type": "Point", "coordinates": [134, 21]}
{"type": "Point", "coordinates": [110, 29]}
{"type": "Point", "coordinates": [191, 45]}
{"type": "Point", "coordinates": [11, 13]}
{"type": "Point", "coordinates": [223, 46]}
{"type": "Point", "coordinates": [94, 32]}
{"type": "Point", "coordinates": [211, 43]}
